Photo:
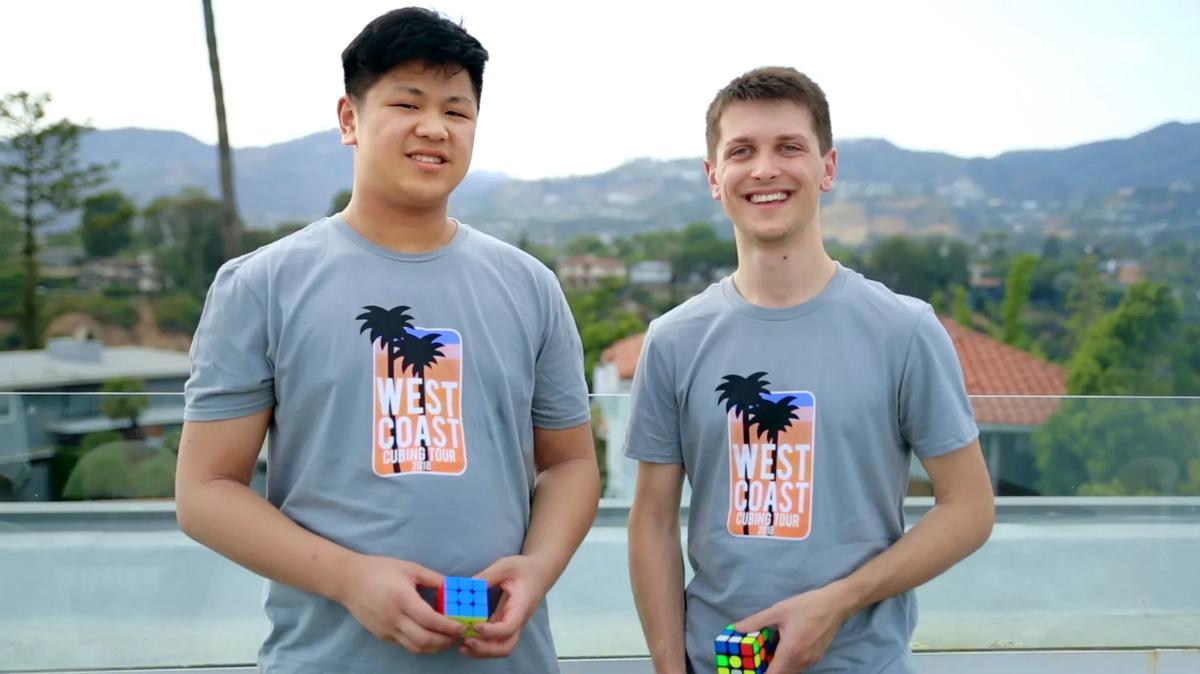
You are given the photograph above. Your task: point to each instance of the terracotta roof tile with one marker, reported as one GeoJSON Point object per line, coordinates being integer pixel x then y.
{"type": "Point", "coordinates": [993, 368]}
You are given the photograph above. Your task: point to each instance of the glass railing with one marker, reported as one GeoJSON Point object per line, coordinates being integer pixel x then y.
{"type": "Point", "coordinates": [1098, 524]}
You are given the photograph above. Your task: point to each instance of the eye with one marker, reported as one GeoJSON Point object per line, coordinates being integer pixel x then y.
{"type": "Point", "coordinates": [792, 147]}
{"type": "Point", "coordinates": [456, 113]}
{"type": "Point", "coordinates": [740, 150]}
{"type": "Point", "coordinates": [406, 106]}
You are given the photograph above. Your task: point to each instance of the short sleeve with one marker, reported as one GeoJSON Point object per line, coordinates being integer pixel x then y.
{"type": "Point", "coordinates": [935, 413]}
{"type": "Point", "coordinates": [653, 433]}
{"type": "Point", "coordinates": [232, 373]}
{"type": "Point", "coordinates": [560, 395]}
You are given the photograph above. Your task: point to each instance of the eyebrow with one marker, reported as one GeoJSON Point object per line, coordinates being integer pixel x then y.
{"type": "Point", "coordinates": [420, 93]}
{"type": "Point", "coordinates": [785, 137]}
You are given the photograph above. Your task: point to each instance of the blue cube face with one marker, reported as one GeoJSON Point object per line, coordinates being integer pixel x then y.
{"type": "Point", "coordinates": [466, 597]}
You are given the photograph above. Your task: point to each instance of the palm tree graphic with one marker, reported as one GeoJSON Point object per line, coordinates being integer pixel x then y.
{"type": "Point", "coordinates": [773, 417]}
{"type": "Point", "coordinates": [418, 353]}
{"type": "Point", "coordinates": [389, 327]}
{"type": "Point", "coordinates": [742, 395]}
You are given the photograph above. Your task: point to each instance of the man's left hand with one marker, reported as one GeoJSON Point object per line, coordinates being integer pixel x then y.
{"type": "Point", "coordinates": [524, 584]}
{"type": "Point", "coordinates": [807, 624]}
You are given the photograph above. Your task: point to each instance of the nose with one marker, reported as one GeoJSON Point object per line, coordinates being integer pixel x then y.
{"type": "Point", "coordinates": [433, 127]}
{"type": "Point", "coordinates": [764, 167]}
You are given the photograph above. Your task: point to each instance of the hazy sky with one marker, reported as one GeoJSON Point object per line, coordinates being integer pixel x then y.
{"type": "Point", "coordinates": [579, 87]}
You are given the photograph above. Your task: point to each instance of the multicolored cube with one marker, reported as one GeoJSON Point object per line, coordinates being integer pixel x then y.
{"type": "Point", "coordinates": [745, 652]}
{"type": "Point", "coordinates": [464, 600]}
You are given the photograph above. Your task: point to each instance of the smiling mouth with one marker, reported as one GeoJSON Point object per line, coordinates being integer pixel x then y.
{"type": "Point", "coordinates": [769, 197]}
{"type": "Point", "coordinates": [432, 160]}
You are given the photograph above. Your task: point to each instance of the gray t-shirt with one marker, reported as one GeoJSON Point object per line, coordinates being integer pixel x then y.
{"type": "Point", "coordinates": [838, 392]}
{"type": "Point", "coordinates": [405, 391]}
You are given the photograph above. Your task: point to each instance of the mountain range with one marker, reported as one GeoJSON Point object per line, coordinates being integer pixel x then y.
{"type": "Point", "coordinates": [296, 181]}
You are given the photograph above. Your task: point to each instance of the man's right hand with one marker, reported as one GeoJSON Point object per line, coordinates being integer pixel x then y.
{"type": "Point", "coordinates": [381, 593]}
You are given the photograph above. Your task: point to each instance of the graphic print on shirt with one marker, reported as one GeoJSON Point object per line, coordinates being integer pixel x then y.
{"type": "Point", "coordinates": [771, 451]}
{"type": "Point", "coordinates": [417, 392]}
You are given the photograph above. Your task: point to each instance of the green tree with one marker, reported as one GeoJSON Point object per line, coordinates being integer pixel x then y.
{"type": "Point", "coordinates": [602, 318]}
{"type": "Point", "coordinates": [588, 244]}
{"type": "Point", "coordinates": [10, 236]}
{"type": "Point", "coordinates": [41, 178]}
{"type": "Point", "coordinates": [1130, 350]}
{"type": "Point", "coordinates": [938, 301]}
{"type": "Point", "coordinates": [918, 267]}
{"type": "Point", "coordinates": [545, 254]}
{"type": "Point", "coordinates": [340, 201]}
{"type": "Point", "coordinates": [184, 231]}
{"type": "Point", "coordinates": [1016, 296]}
{"type": "Point", "coordinates": [1126, 446]}
{"type": "Point", "coordinates": [231, 226]}
{"type": "Point", "coordinates": [122, 469]}
{"type": "Point", "coordinates": [177, 312]}
{"type": "Point", "coordinates": [1115, 447]}
{"type": "Point", "coordinates": [962, 307]}
{"type": "Point", "coordinates": [125, 408]}
{"type": "Point", "coordinates": [253, 239]}
{"type": "Point", "coordinates": [701, 252]}
{"type": "Point", "coordinates": [107, 223]}
{"type": "Point", "coordinates": [1085, 301]}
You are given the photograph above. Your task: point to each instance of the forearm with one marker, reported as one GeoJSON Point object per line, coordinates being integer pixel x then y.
{"type": "Point", "coordinates": [656, 573]}
{"type": "Point", "coordinates": [565, 499]}
{"type": "Point", "coordinates": [943, 537]}
{"type": "Point", "coordinates": [235, 521]}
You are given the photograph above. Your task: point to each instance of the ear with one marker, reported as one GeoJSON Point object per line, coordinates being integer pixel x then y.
{"type": "Point", "coordinates": [830, 174]}
{"type": "Point", "coordinates": [714, 186]}
{"type": "Point", "coordinates": [348, 120]}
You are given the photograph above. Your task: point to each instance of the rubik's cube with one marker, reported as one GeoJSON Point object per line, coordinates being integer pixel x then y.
{"type": "Point", "coordinates": [745, 652]}
{"type": "Point", "coordinates": [464, 600]}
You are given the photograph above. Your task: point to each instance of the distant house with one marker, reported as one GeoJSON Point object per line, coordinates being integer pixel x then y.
{"type": "Point", "coordinates": [1013, 393]}
{"type": "Point", "coordinates": [588, 271]}
{"type": "Point", "coordinates": [60, 263]}
{"type": "Point", "coordinates": [1122, 272]}
{"type": "Point", "coordinates": [137, 272]}
{"type": "Point", "coordinates": [44, 403]}
{"type": "Point", "coordinates": [982, 283]}
{"type": "Point", "coordinates": [650, 273]}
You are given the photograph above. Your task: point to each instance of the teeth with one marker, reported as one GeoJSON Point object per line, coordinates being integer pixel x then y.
{"type": "Point", "coordinates": [428, 159]}
{"type": "Point", "coordinates": [764, 198]}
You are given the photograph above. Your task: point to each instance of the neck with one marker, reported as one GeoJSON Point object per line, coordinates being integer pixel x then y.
{"type": "Point", "coordinates": [402, 228]}
{"type": "Point", "coordinates": [785, 274]}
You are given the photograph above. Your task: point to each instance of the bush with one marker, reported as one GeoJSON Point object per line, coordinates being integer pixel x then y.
{"type": "Point", "coordinates": [108, 310]}
{"type": "Point", "coordinates": [177, 312]}
{"type": "Point", "coordinates": [122, 470]}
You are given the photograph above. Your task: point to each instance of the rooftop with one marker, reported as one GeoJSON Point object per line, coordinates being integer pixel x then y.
{"type": "Point", "coordinates": [68, 361]}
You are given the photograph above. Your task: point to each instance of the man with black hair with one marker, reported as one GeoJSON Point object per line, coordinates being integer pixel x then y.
{"type": "Point", "coordinates": [422, 387]}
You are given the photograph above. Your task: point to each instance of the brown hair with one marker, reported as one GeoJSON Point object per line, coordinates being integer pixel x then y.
{"type": "Point", "coordinates": [771, 84]}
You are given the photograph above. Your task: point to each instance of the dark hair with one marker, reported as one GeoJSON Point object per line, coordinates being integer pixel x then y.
{"type": "Point", "coordinates": [410, 34]}
{"type": "Point", "coordinates": [771, 84]}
